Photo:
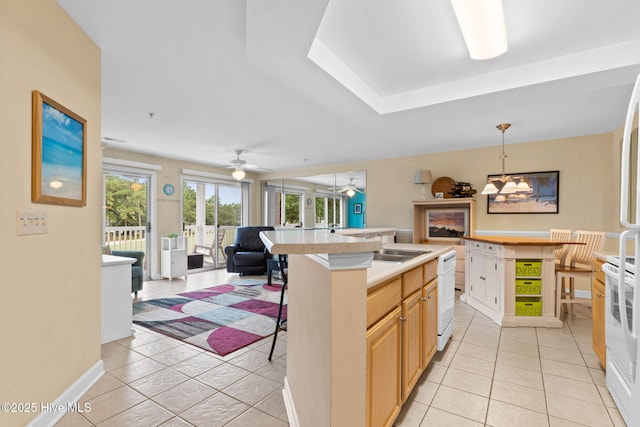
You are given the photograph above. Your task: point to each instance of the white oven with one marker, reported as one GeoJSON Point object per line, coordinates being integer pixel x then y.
{"type": "Point", "coordinates": [620, 332]}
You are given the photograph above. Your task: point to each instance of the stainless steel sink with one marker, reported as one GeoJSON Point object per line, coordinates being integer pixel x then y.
{"type": "Point", "coordinates": [396, 255]}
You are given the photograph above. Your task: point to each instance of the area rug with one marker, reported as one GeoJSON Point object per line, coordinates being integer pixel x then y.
{"type": "Point", "coordinates": [221, 318]}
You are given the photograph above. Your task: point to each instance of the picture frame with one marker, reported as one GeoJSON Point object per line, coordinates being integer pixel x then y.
{"type": "Point", "coordinates": [543, 197]}
{"type": "Point", "coordinates": [447, 224]}
{"type": "Point", "coordinates": [357, 208]}
{"type": "Point", "coordinates": [59, 154]}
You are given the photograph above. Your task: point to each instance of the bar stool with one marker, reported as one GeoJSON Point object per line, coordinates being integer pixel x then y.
{"type": "Point", "coordinates": [582, 254]}
{"type": "Point", "coordinates": [281, 324]}
{"type": "Point", "coordinates": [560, 235]}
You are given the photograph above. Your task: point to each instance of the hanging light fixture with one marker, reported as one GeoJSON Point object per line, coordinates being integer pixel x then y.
{"type": "Point", "coordinates": [507, 183]}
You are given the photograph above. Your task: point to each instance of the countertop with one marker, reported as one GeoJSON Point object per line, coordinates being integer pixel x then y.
{"type": "Point", "coordinates": [110, 260]}
{"type": "Point", "coordinates": [300, 241]}
{"type": "Point", "coordinates": [382, 271]}
{"type": "Point", "coordinates": [513, 240]}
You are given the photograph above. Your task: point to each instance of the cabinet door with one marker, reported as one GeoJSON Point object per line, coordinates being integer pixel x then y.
{"type": "Point", "coordinates": [411, 342]}
{"type": "Point", "coordinates": [429, 322]}
{"type": "Point", "coordinates": [493, 282]}
{"type": "Point", "coordinates": [478, 281]}
{"type": "Point", "coordinates": [384, 371]}
{"type": "Point", "coordinates": [597, 311]}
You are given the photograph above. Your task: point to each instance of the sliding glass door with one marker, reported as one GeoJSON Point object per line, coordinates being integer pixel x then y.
{"type": "Point", "coordinates": [211, 211]}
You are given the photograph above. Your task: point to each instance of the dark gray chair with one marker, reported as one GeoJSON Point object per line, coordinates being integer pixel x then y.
{"type": "Point", "coordinates": [248, 255]}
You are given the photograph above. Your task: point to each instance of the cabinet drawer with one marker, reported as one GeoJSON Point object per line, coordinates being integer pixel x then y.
{"type": "Point", "coordinates": [597, 270]}
{"type": "Point", "coordinates": [411, 281]}
{"type": "Point", "coordinates": [490, 248]}
{"type": "Point", "coordinates": [383, 300]}
{"type": "Point", "coordinates": [430, 271]}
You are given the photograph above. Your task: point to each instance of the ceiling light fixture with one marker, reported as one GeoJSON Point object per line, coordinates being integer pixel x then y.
{"type": "Point", "coordinates": [483, 27]}
{"type": "Point", "coordinates": [238, 173]}
{"type": "Point", "coordinates": [505, 184]}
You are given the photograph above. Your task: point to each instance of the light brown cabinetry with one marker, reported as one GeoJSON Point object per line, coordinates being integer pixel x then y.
{"type": "Point", "coordinates": [430, 315]}
{"type": "Point", "coordinates": [383, 370]}
{"type": "Point", "coordinates": [597, 312]}
{"type": "Point", "coordinates": [402, 337]}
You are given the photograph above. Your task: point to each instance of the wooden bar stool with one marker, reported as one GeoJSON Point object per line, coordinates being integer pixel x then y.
{"type": "Point", "coordinates": [581, 257]}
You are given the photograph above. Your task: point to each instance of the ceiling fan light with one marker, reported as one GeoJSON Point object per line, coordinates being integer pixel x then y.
{"type": "Point", "coordinates": [482, 25]}
{"type": "Point", "coordinates": [351, 192]}
{"type": "Point", "coordinates": [238, 174]}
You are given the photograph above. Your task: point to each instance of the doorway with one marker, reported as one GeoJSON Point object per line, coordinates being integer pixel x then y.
{"type": "Point", "coordinates": [126, 213]}
{"type": "Point", "coordinates": [211, 212]}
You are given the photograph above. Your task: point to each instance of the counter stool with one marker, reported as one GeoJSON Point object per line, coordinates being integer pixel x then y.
{"type": "Point", "coordinates": [581, 254]}
{"type": "Point", "coordinates": [281, 324]}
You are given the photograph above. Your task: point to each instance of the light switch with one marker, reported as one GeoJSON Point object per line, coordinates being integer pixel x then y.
{"type": "Point", "coordinates": [31, 223]}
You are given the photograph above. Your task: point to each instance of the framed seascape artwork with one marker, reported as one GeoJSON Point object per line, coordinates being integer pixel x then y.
{"type": "Point", "coordinates": [59, 154]}
{"type": "Point", "coordinates": [542, 196]}
{"type": "Point", "coordinates": [447, 224]}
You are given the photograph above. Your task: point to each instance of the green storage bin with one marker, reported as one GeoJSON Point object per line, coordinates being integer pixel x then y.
{"type": "Point", "coordinates": [528, 306]}
{"type": "Point", "coordinates": [528, 286]}
{"type": "Point", "coordinates": [528, 267]}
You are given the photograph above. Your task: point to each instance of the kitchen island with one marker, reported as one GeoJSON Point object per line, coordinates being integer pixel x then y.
{"type": "Point", "coordinates": [511, 280]}
{"type": "Point", "coordinates": [332, 278]}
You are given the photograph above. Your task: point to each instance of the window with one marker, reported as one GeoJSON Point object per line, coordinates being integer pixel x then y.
{"type": "Point", "coordinates": [328, 210]}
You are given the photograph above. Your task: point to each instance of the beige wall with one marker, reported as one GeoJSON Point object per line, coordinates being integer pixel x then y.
{"type": "Point", "coordinates": [50, 305]}
{"type": "Point", "coordinates": [588, 182]}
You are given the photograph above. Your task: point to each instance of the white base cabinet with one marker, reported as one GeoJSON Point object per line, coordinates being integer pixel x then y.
{"type": "Point", "coordinates": [174, 257]}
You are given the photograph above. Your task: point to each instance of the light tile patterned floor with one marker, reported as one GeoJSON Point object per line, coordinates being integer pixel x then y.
{"type": "Point", "coordinates": [486, 376]}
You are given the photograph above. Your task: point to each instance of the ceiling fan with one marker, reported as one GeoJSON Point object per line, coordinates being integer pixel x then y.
{"type": "Point", "coordinates": [238, 165]}
{"type": "Point", "coordinates": [350, 188]}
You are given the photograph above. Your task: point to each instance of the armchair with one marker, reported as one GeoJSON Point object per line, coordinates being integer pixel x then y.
{"type": "Point", "coordinates": [247, 254]}
{"type": "Point", "coordinates": [136, 268]}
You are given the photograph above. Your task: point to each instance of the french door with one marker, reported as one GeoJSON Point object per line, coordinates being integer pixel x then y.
{"type": "Point", "coordinates": [126, 210]}
{"type": "Point", "coordinates": [211, 211]}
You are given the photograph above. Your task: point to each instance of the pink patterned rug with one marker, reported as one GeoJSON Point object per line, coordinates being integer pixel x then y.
{"type": "Point", "coordinates": [220, 319]}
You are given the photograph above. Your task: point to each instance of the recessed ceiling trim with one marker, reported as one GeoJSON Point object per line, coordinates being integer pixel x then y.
{"type": "Point", "coordinates": [577, 64]}
{"type": "Point", "coordinates": [323, 57]}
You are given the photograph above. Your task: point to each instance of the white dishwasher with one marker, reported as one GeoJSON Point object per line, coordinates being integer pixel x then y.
{"type": "Point", "coordinates": [446, 296]}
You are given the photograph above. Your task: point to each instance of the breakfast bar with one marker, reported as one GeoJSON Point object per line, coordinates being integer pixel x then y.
{"type": "Point", "coordinates": [330, 278]}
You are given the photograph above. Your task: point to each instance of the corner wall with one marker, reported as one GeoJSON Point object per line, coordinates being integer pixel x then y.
{"type": "Point", "coordinates": [50, 302]}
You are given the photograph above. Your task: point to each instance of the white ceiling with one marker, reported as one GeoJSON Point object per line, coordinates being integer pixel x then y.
{"type": "Point", "coordinates": [305, 83]}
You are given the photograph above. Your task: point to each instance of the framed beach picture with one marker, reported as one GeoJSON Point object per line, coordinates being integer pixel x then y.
{"type": "Point", "coordinates": [59, 154]}
{"type": "Point", "coordinates": [542, 195]}
{"type": "Point", "coordinates": [447, 224]}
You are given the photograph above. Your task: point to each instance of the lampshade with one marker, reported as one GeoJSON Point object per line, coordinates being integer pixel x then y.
{"type": "Point", "coordinates": [351, 192]}
{"type": "Point", "coordinates": [423, 177]}
{"type": "Point", "coordinates": [490, 188]}
{"type": "Point", "coordinates": [482, 26]}
{"type": "Point", "coordinates": [238, 174]}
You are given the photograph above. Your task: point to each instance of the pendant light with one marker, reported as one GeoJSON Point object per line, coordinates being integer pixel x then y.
{"type": "Point", "coordinates": [507, 183]}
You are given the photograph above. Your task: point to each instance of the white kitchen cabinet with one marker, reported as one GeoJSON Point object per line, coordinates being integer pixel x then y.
{"type": "Point", "coordinates": [174, 257]}
{"type": "Point", "coordinates": [498, 288]}
{"type": "Point", "coordinates": [485, 277]}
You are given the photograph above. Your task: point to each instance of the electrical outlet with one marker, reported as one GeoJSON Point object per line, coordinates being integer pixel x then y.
{"type": "Point", "coordinates": [31, 223]}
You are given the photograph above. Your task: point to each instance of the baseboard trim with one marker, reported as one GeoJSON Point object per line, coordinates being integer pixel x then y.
{"type": "Point", "coordinates": [69, 397]}
{"type": "Point", "coordinates": [289, 405]}
{"type": "Point", "coordinates": [582, 294]}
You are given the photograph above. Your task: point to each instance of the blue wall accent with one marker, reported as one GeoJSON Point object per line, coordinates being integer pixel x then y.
{"type": "Point", "coordinates": [356, 220]}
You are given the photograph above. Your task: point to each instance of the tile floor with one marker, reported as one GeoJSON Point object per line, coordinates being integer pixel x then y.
{"type": "Point", "coordinates": [486, 376]}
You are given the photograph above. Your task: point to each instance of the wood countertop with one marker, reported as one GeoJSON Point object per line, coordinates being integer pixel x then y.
{"type": "Point", "coordinates": [515, 241]}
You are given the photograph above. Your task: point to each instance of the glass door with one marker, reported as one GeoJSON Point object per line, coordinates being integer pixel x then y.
{"type": "Point", "coordinates": [211, 211]}
{"type": "Point", "coordinates": [125, 213]}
